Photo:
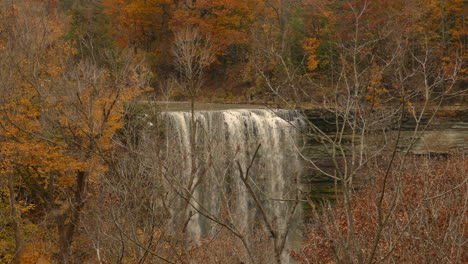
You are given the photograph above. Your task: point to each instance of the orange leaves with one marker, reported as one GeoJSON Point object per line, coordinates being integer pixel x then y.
{"type": "Point", "coordinates": [33, 153]}
{"type": "Point", "coordinates": [59, 116]}
{"type": "Point", "coordinates": [137, 22]}
{"type": "Point", "coordinates": [225, 21]}
{"type": "Point", "coordinates": [310, 45]}
{"type": "Point", "coordinates": [143, 23]}
{"type": "Point", "coordinates": [53, 70]}
{"type": "Point", "coordinates": [66, 180]}
{"type": "Point", "coordinates": [440, 21]}
{"type": "Point", "coordinates": [35, 252]}
{"type": "Point", "coordinates": [375, 89]}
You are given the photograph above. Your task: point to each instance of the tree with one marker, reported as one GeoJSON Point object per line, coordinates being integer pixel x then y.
{"type": "Point", "coordinates": [225, 21]}
{"type": "Point", "coordinates": [193, 53]}
{"type": "Point", "coordinates": [425, 224]}
{"type": "Point", "coordinates": [383, 72]}
{"type": "Point", "coordinates": [275, 62]}
{"type": "Point", "coordinates": [88, 32]}
{"type": "Point", "coordinates": [132, 223]}
{"type": "Point", "coordinates": [58, 117]}
{"type": "Point", "coordinates": [139, 23]}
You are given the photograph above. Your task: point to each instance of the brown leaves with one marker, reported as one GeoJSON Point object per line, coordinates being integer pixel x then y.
{"type": "Point", "coordinates": [425, 207]}
{"type": "Point", "coordinates": [137, 22]}
{"type": "Point", "coordinates": [226, 21]}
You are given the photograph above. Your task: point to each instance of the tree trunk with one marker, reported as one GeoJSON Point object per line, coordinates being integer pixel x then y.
{"type": "Point", "coordinates": [16, 221]}
{"type": "Point", "coordinates": [67, 230]}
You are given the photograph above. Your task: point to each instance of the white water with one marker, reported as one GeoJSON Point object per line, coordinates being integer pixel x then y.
{"type": "Point", "coordinates": [224, 139]}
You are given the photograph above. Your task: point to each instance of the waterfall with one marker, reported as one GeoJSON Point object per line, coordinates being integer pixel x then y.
{"type": "Point", "coordinates": [208, 173]}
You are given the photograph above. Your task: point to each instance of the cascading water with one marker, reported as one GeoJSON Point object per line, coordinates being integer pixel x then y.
{"type": "Point", "coordinates": [214, 148]}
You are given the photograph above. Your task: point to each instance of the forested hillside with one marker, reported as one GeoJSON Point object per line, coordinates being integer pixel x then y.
{"type": "Point", "coordinates": [78, 183]}
{"type": "Point", "coordinates": [298, 48]}
{"type": "Point", "coordinates": [295, 49]}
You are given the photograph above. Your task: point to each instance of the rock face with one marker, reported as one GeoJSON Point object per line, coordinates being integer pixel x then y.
{"type": "Point", "coordinates": [445, 119]}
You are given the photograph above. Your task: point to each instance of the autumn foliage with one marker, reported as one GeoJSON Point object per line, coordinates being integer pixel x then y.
{"type": "Point", "coordinates": [69, 156]}
{"type": "Point", "coordinates": [58, 117]}
{"type": "Point", "coordinates": [427, 220]}
{"type": "Point", "coordinates": [307, 36]}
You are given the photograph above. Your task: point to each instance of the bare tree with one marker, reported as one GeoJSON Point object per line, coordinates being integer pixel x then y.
{"type": "Point", "coordinates": [133, 221]}
{"type": "Point", "coordinates": [193, 54]}
{"type": "Point", "coordinates": [368, 131]}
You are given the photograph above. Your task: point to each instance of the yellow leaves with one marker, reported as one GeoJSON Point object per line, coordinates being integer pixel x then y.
{"type": "Point", "coordinates": [36, 252]}
{"type": "Point", "coordinates": [68, 49]}
{"type": "Point", "coordinates": [376, 76]}
{"type": "Point", "coordinates": [34, 153]}
{"type": "Point", "coordinates": [66, 180]}
{"type": "Point", "coordinates": [55, 29]}
{"type": "Point", "coordinates": [134, 22]}
{"type": "Point", "coordinates": [310, 45]}
{"type": "Point", "coordinates": [25, 141]}
{"type": "Point", "coordinates": [375, 89]}
{"type": "Point", "coordinates": [53, 70]}
{"type": "Point", "coordinates": [440, 21]}
{"type": "Point", "coordinates": [24, 208]}
{"type": "Point", "coordinates": [141, 236]}
{"type": "Point", "coordinates": [57, 121]}
{"type": "Point", "coordinates": [408, 106]}
{"type": "Point", "coordinates": [5, 248]}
